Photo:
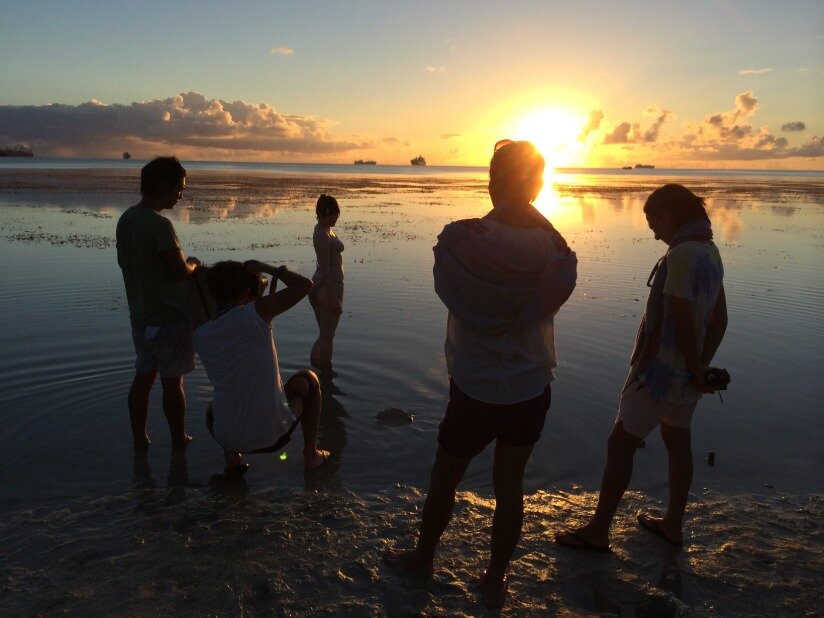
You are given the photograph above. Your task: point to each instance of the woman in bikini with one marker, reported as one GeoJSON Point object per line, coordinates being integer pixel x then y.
{"type": "Point", "coordinates": [326, 296]}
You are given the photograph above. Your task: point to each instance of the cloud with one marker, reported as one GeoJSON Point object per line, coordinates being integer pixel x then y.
{"type": "Point", "coordinates": [730, 136]}
{"type": "Point", "coordinates": [619, 135]}
{"type": "Point", "coordinates": [188, 122]}
{"type": "Point", "coordinates": [755, 71]}
{"type": "Point", "coordinates": [431, 69]}
{"type": "Point", "coordinates": [282, 51]}
{"type": "Point", "coordinates": [593, 124]}
{"type": "Point", "coordinates": [449, 135]}
{"type": "Point", "coordinates": [394, 140]}
{"type": "Point", "coordinates": [651, 134]}
{"type": "Point", "coordinates": [626, 133]}
{"type": "Point", "coordinates": [731, 126]}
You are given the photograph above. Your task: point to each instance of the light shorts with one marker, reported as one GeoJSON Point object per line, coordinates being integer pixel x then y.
{"type": "Point", "coordinates": [640, 413]}
{"type": "Point", "coordinates": [167, 349]}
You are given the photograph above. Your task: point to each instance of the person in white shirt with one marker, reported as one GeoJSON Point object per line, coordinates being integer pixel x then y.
{"type": "Point", "coordinates": [502, 277]}
{"type": "Point", "coordinates": [253, 411]}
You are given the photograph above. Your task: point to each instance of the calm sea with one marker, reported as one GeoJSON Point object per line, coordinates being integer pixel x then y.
{"type": "Point", "coordinates": [87, 528]}
{"type": "Point", "coordinates": [66, 355]}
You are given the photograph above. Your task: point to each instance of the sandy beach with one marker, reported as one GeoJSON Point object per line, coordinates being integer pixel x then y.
{"type": "Point", "coordinates": [87, 528]}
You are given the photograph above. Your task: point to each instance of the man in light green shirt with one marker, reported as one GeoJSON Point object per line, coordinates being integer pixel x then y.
{"type": "Point", "coordinates": [149, 254]}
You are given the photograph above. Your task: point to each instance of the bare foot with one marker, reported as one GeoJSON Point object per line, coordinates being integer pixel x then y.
{"type": "Point", "coordinates": [410, 561]}
{"type": "Point", "coordinates": [317, 459]}
{"type": "Point", "coordinates": [182, 443]}
{"type": "Point", "coordinates": [584, 539]}
{"type": "Point", "coordinates": [661, 527]}
{"type": "Point", "coordinates": [493, 591]}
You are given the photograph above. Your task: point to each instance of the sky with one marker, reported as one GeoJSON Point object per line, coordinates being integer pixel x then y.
{"type": "Point", "coordinates": [708, 83]}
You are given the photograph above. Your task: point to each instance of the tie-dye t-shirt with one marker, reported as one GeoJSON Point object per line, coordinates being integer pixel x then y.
{"type": "Point", "coordinates": [695, 273]}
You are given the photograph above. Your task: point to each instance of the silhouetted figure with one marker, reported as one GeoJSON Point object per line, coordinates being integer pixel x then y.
{"type": "Point", "coordinates": [682, 327]}
{"type": "Point", "coordinates": [503, 278]}
{"type": "Point", "coordinates": [252, 410]}
{"type": "Point", "coordinates": [326, 296]}
{"type": "Point", "coordinates": [153, 265]}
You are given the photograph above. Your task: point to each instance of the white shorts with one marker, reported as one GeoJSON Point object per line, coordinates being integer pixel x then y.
{"type": "Point", "coordinates": [640, 413]}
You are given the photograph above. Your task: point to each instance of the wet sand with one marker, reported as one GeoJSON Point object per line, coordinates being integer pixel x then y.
{"type": "Point", "coordinates": [92, 530]}
{"type": "Point", "coordinates": [221, 550]}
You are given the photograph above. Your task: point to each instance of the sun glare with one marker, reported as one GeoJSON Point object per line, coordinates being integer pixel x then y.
{"type": "Point", "coordinates": [554, 132]}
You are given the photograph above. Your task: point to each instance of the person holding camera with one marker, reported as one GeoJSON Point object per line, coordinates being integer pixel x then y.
{"type": "Point", "coordinates": [683, 325]}
{"type": "Point", "coordinates": [253, 411]}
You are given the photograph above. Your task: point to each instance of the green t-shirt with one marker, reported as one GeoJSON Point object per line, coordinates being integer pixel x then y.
{"type": "Point", "coordinates": [154, 297]}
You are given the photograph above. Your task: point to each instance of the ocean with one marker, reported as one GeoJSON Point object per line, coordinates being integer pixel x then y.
{"type": "Point", "coordinates": [94, 528]}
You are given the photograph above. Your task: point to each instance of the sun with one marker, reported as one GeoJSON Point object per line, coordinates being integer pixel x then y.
{"type": "Point", "coordinates": [555, 132]}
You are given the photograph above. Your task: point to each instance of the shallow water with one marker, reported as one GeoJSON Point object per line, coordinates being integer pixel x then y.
{"type": "Point", "coordinates": [66, 358]}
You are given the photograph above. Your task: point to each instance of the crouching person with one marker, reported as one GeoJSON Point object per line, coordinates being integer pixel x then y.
{"type": "Point", "coordinates": [253, 411]}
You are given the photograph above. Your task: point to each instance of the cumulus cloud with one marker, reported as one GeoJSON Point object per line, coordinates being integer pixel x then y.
{"type": "Point", "coordinates": [593, 124]}
{"type": "Point", "coordinates": [731, 136]}
{"type": "Point", "coordinates": [282, 51]}
{"type": "Point", "coordinates": [431, 69]}
{"type": "Point", "coordinates": [188, 121]}
{"type": "Point", "coordinates": [651, 134]}
{"type": "Point", "coordinates": [733, 125]}
{"type": "Point", "coordinates": [619, 135]}
{"type": "Point", "coordinates": [626, 133]}
{"type": "Point", "coordinates": [755, 71]}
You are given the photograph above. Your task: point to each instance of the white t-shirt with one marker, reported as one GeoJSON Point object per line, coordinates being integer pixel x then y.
{"type": "Point", "coordinates": [513, 366]}
{"type": "Point", "coordinates": [249, 406]}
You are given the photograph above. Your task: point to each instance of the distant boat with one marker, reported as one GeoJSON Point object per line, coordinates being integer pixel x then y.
{"type": "Point", "coordinates": [419, 160]}
{"type": "Point", "coordinates": [643, 166]}
{"type": "Point", "coordinates": [627, 167]}
{"type": "Point", "coordinates": [16, 151]}
{"type": "Point", "coordinates": [126, 156]}
{"type": "Point", "coordinates": [362, 162]}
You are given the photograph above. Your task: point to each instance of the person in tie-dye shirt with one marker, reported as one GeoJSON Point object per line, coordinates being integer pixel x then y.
{"type": "Point", "coordinates": [683, 325]}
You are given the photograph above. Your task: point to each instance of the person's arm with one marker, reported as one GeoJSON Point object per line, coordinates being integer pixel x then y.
{"type": "Point", "coordinates": [179, 268]}
{"type": "Point", "coordinates": [275, 303]}
{"type": "Point", "coordinates": [715, 329]}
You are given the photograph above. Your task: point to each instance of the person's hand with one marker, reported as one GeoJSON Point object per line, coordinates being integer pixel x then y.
{"type": "Point", "coordinates": [698, 381]}
{"type": "Point", "coordinates": [256, 266]}
{"type": "Point", "coordinates": [193, 261]}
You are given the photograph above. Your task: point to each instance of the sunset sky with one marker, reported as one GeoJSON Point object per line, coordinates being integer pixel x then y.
{"type": "Point", "coordinates": [710, 83]}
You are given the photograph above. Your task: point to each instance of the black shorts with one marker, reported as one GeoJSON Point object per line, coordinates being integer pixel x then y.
{"type": "Point", "coordinates": [469, 425]}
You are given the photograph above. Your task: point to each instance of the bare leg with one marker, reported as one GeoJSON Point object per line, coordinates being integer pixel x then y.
{"type": "Point", "coordinates": [621, 448]}
{"type": "Point", "coordinates": [327, 318]}
{"type": "Point", "coordinates": [174, 407]}
{"type": "Point", "coordinates": [310, 418]}
{"type": "Point", "coordinates": [507, 477]}
{"type": "Point", "coordinates": [317, 352]}
{"type": "Point", "coordinates": [437, 511]}
{"type": "Point", "coordinates": [139, 406]}
{"type": "Point", "coordinates": [679, 448]}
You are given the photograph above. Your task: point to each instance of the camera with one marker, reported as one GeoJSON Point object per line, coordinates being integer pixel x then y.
{"type": "Point", "coordinates": [257, 284]}
{"type": "Point", "coordinates": [717, 378]}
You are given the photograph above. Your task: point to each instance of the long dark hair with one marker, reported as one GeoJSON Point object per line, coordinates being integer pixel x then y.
{"type": "Point", "coordinates": [681, 204]}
